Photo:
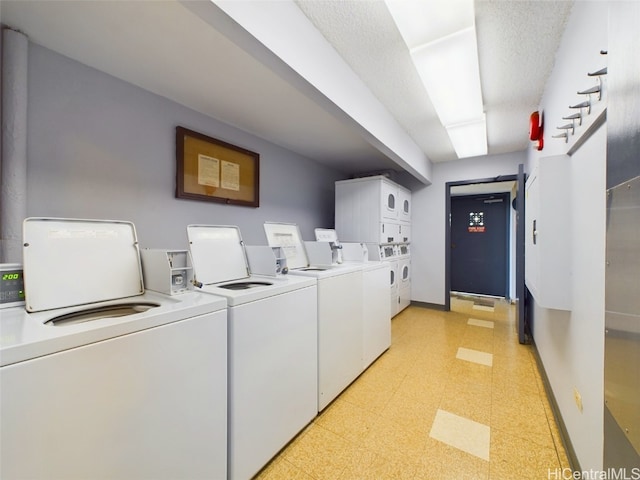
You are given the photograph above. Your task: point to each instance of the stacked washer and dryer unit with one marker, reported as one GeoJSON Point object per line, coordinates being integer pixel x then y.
{"type": "Point", "coordinates": [377, 211]}
{"type": "Point", "coordinates": [100, 378]}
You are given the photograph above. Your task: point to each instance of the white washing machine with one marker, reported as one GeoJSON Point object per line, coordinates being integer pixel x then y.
{"type": "Point", "coordinates": [404, 276]}
{"type": "Point", "coordinates": [273, 358]}
{"type": "Point", "coordinates": [339, 308]}
{"type": "Point", "coordinates": [100, 379]}
{"type": "Point", "coordinates": [376, 318]}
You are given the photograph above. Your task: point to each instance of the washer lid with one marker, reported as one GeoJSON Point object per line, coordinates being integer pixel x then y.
{"type": "Point", "coordinates": [218, 253]}
{"type": "Point", "coordinates": [71, 262]}
{"type": "Point", "coordinates": [287, 237]}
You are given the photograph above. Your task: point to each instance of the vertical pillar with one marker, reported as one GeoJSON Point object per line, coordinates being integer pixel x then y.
{"type": "Point", "coordinates": [13, 169]}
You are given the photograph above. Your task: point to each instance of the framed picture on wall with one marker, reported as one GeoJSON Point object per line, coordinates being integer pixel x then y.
{"type": "Point", "coordinates": [215, 171]}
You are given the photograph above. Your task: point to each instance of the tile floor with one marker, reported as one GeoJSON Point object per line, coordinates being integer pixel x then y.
{"type": "Point", "coordinates": [454, 397]}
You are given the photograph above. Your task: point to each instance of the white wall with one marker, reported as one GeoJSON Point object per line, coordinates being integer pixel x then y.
{"type": "Point", "coordinates": [571, 344]}
{"type": "Point", "coordinates": [428, 218]}
{"type": "Point", "coordinates": [99, 147]}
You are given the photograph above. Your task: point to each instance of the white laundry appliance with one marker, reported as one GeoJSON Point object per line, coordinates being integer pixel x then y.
{"type": "Point", "coordinates": [388, 253]}
{"type": "Point", "coordinates": [273, 359]}
{"type": "Point", "coordinates": [404, 276]}
{"type": "Point", "coordinates": [376, 315]}
{"type": "Point", "coordinates": [339, 307]}
{"type": "Point", "coordinates": [100, 379]}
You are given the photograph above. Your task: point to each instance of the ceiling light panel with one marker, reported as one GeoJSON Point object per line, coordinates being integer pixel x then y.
{"type": "Point", "coordinates": [469, 139]}
{"type": "Point", "coordinates": [421, 22]}
{"type": "Point", "coordinates": [441, 38]}
{"type": "Point", "coordinates": [449, 70]}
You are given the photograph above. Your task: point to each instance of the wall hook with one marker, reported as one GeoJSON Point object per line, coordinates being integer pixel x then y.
{"type": "Point", "coordinates": [573, 117]}
{"type": "Point", "coordinates": [595, 89]}
{"type": "Point", "coordinates": [602, 71]}
{"type": "Point", "coordinates": [567, 127]}
{"type": "Point", "coordinates": [586, 104]}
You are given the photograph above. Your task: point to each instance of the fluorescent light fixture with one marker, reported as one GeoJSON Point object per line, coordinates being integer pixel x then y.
{"type": "Point", "coordinates": [469, 139]}
{"type": "Point", "coordinates": [446, 58]}
{"type": "Point", "coordinates": [449, 70]}
{"type": "Point", "coordinates": [423, 21]}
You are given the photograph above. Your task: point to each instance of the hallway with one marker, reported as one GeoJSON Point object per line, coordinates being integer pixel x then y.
{"type": "Point", "coordinates": [455, 397]}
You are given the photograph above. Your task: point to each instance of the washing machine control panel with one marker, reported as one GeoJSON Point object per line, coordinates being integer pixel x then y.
{"type": "Point", "coordinates": [11, 285]}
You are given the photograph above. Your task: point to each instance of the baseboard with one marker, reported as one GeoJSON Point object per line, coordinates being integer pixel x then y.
{"type": "Point", "coordinates": [432, 306]}
{"type": "Point", "coordinates": [564, 434]}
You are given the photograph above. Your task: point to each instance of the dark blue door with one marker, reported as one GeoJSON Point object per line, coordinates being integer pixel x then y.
{"type": "Point", "coordinates": [479, 244]}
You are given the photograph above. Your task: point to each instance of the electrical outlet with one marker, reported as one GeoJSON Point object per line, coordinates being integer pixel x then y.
{"type": "Point", "coordinates": [578, 398]}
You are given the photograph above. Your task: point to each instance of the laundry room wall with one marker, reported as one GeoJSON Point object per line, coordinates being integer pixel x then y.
{"type": "Point", "coordinates": [428, 217]}
{"type": "Point", "coordinates": [99, 147]}
{"type": "Point", "coordinates": [571, 343]}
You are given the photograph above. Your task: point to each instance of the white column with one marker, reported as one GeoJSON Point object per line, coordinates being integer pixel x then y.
{"type": "Point", "coordinates": [13, 169]}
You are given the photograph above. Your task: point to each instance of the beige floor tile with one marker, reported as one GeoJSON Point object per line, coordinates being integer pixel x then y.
{"type": "Point", "coordinates": [358, 465]}
{"type": "Point", "coordinates": [484, 308]}
{"type": "Point", "coordinates": [479, 331]}
{"type": "Point", "coordinates": [470, 400]}
{"type": "Point", "coordinates": [514, 457]}
{"type": "Point", "coordinates": [470, 372]}
{"type": "Point", "coordinates": [347, 420]}
{"type": "Point", "coordinates": [522, 417]}
{"type": "Point", "coordinates": [481, 323]}
{"type": "Point", "coordinates": [387, 377]}
{"type": "Point", "coordinates": [505, 389]}
{"type": "Point", "coordinates": [480, 343]}
{"type": "Point", "coordinates": [475, 356]}
{"type": "Point", "coordinates": [405, 411]}
{"type": "Point", "coordinates": [281, 469]}
{"type": "Point", "coordinates": [393, 439]}
{"type": "Point", "coordinates": [433, 362]}
{"type": "Point", "coordinates": [460, 432]}
{"type": "Point", "coordinates": [442, 462]}
{"type": "Point", "coordinates": [319, 453]}
{"type": "Point", "coordinates": [422, 389]}
{"type": "Point", "coordinates": [371, 396]}
{"type": "Point", "coordinates": [381, 468]}
{"type": "Point", "coordinates": [379, 427]}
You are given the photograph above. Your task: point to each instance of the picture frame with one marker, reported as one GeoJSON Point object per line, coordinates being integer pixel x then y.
{"type": "Point", "coordinates": [212, 170]}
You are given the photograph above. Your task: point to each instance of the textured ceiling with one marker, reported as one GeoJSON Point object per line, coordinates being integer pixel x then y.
{"type": "Point", "coordinates": [517, 41]}
{"type": "Point", "coordinates": [166, 47]}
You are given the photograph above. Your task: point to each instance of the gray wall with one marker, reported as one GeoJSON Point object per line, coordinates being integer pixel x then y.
{"type": "Point", "coordinates": [428, 218]}
{"type": "Point", "coordinates": [99, 147]}
{"type": "Point", "coordinates": [571, 343]}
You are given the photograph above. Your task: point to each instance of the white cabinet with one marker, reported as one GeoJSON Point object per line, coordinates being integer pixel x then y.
{"type": "Point", "coordinates": [548, 233]}
{"type": "Point", "coordinates": [373, 210]}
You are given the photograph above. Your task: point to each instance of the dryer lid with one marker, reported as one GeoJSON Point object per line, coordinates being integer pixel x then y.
{"type": "Point", "coordinates": [70, 262]}
{"type": "Point", "coordinates": [217, 253]}
{"type": "Point", "coordinates": [287, 237]}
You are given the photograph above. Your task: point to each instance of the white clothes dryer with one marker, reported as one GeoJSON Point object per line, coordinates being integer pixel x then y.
{"type": "Point", "coordinates": [273, 358]}
{"type": "Point", "coordinates": [100, 379]}
{"type": "Point", "coordinates": [339, 307]}
{"type": "Point", "coordinates": [388, 253]}
{"type": "Point", "coordinates": [404, 276]}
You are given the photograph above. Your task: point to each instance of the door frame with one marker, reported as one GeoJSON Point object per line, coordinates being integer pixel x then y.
{"type": "Point", "coordinates": [447, 229]}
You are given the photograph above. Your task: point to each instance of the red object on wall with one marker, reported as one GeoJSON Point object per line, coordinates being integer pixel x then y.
{"type": "Point", "coordinates": [536, 129]}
